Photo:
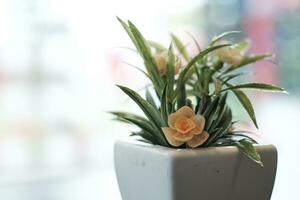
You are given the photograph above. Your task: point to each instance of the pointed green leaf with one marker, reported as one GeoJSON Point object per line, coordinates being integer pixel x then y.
{"type": "Point", "coordinates": [143, 48]}
{"type": "Point", "coordinates": [158, 47]}
{"type": "Point", "coordinates": [164, 106]}
{"type": "Point", "coordinates": [256, 86]}
{"type": "Point", "coordinates": [217, 66]}
{"type": "Point", "coordinates": [211, 107]}
{"type": "Point", "coordinates": [248, 60]}
{"type": "Point", "coordinates": [181, 100]}
{"type": "Point", "coordinates": [248, 149]}
{"type": "Point", "coordinates": [195, 41]}
{"type": "Point", "coordinates": [128, 31]}
{"type": "Point", "coordinates": [170, 71]}
{"type": "Point", "coordinates": [206, 73]}
{"type": "Point", "coordinates": [128, 115]}
{"type": "Point", "coordinates": [229, 77]}
{"type": "Point", "coordinates": [139, 121]}
{"type": "Point", "coordinates": [221, 36]}
{"type": "Point", "coordinates": [146, 136]}
{"type": "Point", "coordinates": [220, 113]}
{"type": "Point", "coordinates": [238, 136]}
{"type": "Point", "coordinates": [203, 104]}
{"type": "Point", "coordinates": [146, 107]}
{"type": "Point", "coordinates": [246, 103]}
{"type": "Point", "coordinates": [150, 99]}
{"type": "Point", "coordinates": [180, 47]}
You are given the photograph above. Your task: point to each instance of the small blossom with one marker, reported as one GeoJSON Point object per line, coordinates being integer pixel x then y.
{"type": "Point", "coordinates": [161, 64]}
{"type": "Point", "coordinates": [231, 55]}
{"type": "Point", "coordinates": [185, 127]}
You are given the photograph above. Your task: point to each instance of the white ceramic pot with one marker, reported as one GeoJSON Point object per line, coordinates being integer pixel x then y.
{"type": "Point", "coordinates": [150, 172]}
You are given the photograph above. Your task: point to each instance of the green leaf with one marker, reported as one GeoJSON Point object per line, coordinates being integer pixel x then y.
{"type": "Point", "coordinates": [145, 87]}
{"type": "Point", "coordinates": [206, 73]}
{"type": "Point", "coordinates": [245, 146]}
{"type": "Point", "coordinates": [217, 66]}
{"type": "Point", "coordinates": [158, 47]}
{"type": "Point", "coordinates": [229, 77]}
{"type": "Point", "coordinates": [223, 113]}
{"type": "Point", "coordinates": [195, 41]}
{"type": "Point", "coordinates": [127, 115]}
{"type": "Point", "coordinates": [181, 100]}
{"type": "Point", "coordinates": [146, 136]}
{"type": "Point", "coordinates": [230, 139]}
{"type": "Point", "coordinates": [189, 103]}
{"type": "Point", "coordinates": [248, 60]}
{"type": "Point", "coordinates": [150, 99]}
{"type": "Point", "coordinates": [196, 83]}
{"type": "Point", "coordinates": [170, 72]}
{"type": "Point", "coordinates": [211, 107]}
{"type": "Point", "coordinates": [203, 103]}
{"type": "Point", "coordinates": [188, 70]}
{"type": "Point", "coordinates": [221, 36]}
{"type": "Point", "coordinates": [238, 136]}
{"type": "Point", "coordinates": [256, 86]}
{"type": "Point", "coordinates": [181, 48]}
{"type": "Point", "coordinates": [246, 103]}
{"type": "Point", "coordinates": [220, 113]}
{"type": "Point", "coordinates": [128, 31]}
{"type": "Point", "coordinates": [248, 149]}
{"type": "Point", "coordinates": [192, 92]}
{"type": "Point", "coordinates": [139, 121]}
{"type": "Point", "coordinates": [149, 110]}
{"type": "Point", "coordinates": [164, 106]}
{"type": "Point", "coordinates": [143, 48]}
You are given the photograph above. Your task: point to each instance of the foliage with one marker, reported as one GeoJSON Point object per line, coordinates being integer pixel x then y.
{"type": "Point", "coordinates": [202, 83]}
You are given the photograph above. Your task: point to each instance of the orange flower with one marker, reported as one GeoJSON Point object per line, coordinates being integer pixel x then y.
{"type": "Point", "coordinates": [161, 64]}
{"type": "Point", "coordinates": [185, 127]}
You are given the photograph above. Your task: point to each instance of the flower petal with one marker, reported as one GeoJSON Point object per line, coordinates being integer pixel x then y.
{"type": "Point", "coordinates": [169, 132]}
{"type": "Point", "coordinates": [184, 125]}
{"type": "Point", "coordinates": [199, 120]}
{"type": "Point", "coordinates": [172, 119]}
{"type": "Point", "coordinates": [182, 137]}
{"type": "Point", "coordinates": [185, 111]}
{"type": "Point", "coordinates": [198, 139]}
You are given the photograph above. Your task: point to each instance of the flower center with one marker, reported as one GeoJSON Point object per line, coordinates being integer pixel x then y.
{"type": "Point", "coordinates": [183, 125]}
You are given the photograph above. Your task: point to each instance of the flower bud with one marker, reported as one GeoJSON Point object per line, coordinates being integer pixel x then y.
{"type": "Point", "coordinates": [161, 64]}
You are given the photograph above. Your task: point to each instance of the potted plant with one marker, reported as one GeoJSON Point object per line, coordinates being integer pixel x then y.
{"type": "Point", "coordinates": [187, 147]}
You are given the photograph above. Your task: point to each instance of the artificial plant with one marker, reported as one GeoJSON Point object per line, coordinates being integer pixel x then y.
{"type": "Point", "coordinates": [186, 106]}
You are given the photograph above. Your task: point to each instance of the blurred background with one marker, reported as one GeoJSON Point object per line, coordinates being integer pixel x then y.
{"type": "Point", "coordinates": [59, 61]}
